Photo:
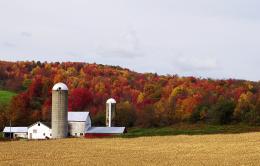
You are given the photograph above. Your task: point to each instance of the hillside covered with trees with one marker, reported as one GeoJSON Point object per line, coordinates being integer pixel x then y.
{"type": "Point", "coordinates": [146, 100]}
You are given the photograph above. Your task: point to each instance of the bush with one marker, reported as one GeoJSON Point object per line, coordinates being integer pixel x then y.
{"type": "Point", "coordinates": [222, 112]}
{"type": "Point", "coordinates": [253, 116]}
{"type": "Point", "coordinates": [199, 114]}
{"type": "Point", "coordinates": [125, 114]}
{"type": "Point", "coordinates": [99, 119]}
{"type": "Point", "coordinates": [146, 117]}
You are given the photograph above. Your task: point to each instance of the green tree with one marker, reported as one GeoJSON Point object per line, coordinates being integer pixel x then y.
{"type": "Point", "coordinates": [3, 116]}
{"type": "Point", "coordinates": [125, 114]}
{"type": "Point", "coordinates": [99, 119]}
{"type": "Point", "coordinates": [146, 116]}
{"type": "Point", "coordinates": [222, 111]}
{"type": "Point", "coordinates": [244, 107]}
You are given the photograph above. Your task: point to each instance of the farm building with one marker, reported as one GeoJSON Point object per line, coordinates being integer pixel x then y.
{"type": "Point", "coordinates": [78, 123]}
{"type": "Point", "coordinates": [110, 112]}
{"type": "Point", "coordinates": [15, 132]}
{"type": "Point", "coordinates": [39, 130]}
{"type": "Point", "coordinates": [104, 131]}
{"type": "Point", "coordinates": [64, 123]}
{"type": "Point", "coordinates": [59, 113]}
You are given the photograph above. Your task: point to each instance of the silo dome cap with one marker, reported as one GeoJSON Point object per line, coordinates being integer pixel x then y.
{"type": "Point", "coordinates": [111, 100]}
{"type": "Point", "coordinates": [60, 86]}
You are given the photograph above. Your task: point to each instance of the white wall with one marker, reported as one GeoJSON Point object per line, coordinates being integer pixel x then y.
{"type": "Point", "coordinates": [39, 131]}
{"type": "Point", "coordinates": [77, 129]}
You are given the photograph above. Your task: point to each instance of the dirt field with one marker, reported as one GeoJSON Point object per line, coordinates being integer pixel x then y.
{"type": "Point", "coordinates": [232, 149]}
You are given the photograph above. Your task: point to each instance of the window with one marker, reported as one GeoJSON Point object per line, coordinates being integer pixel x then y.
{"type": "Point", "coordinates": [75, 134]}
{"type": "Point", "coordinates": [34, 131]}
{"type": "Point", "coordinates": [50, 134]}
{"type": "Point", "coordinates": [39, 124]}
{"type": "Point", "coordinates": [43, 134]}
{"type": "Point", "coordinates": [81, 134]}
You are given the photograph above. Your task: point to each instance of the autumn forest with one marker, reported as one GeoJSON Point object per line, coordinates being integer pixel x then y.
{"type": "Point", "coordinates": [145, 100]}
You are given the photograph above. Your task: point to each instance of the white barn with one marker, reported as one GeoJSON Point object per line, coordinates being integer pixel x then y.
{"type": "Point", "coordinates": [15, 132]}
{"type": "Point", "coordinates": [39, 130]}
{"type": "Point", "coordinates": [78, 122]}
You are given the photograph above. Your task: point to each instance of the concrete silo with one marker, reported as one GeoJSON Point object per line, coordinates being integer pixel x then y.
{"type": "Point", "coordinates": [59, 120]}
{"type": "Point", "coordinates": [110, 112]}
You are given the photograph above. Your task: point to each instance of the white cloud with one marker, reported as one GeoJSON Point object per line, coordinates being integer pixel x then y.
{"type": "Point", "coordinates": [190, 63]}
{"type": "Point", "coordinates": [9, 44]}
{"type": "Point", "coordinates": [26, 34]}
{"type": "Point", "coordinates": [127, 46]}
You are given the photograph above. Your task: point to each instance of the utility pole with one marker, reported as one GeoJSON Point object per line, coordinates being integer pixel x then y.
{"type": "Point", "coordinates": [10, 124]}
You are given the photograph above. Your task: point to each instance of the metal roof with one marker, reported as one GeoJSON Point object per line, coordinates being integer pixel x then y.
{"type": "Point", "coordinates": [111, 100]}
{"type": "Point", "coordinates": [105, 130]}
{"type": "Point", "coordinates": [78, 116]}
{"type": "Point", "coordinates": [60, 86]}
{"type": "Point", "coordinates": [15, 130]}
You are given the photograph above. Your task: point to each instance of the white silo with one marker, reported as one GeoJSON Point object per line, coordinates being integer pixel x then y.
{"type": "Point", "coordinates": [59, 120]}
{"type": "Point", "coordinates": [110, 112]}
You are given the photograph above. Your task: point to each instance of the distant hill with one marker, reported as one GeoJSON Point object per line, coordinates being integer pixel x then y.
{"type": "Point", "coordinates": [143, 99]}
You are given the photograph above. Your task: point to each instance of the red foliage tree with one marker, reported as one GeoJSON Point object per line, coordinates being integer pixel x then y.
{"type": "Point", "coordinates": [80, 99]}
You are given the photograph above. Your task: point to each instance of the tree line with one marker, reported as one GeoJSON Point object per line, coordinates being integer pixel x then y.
{"type": "Point", "coordinates": [146, 100]}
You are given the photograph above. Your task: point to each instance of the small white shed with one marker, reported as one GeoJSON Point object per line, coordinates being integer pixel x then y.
{"type": "Point", "coordinates": [15, 132]}
{"type": "Point", "coordinates": [78, 122]}
{"type": "Point", "coordinates": [39, 130]}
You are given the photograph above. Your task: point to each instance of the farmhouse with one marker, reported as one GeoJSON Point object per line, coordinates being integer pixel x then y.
{"type": "Point", "coordinates": [15, 132]}
{"type": "Point", "coordinates": [39, 130]}
{"type": "Point", "coordinates": [78, 123]}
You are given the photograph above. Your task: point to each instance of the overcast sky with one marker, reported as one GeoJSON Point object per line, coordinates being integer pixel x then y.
{"type": "Point", "coordinates": [203, 38]}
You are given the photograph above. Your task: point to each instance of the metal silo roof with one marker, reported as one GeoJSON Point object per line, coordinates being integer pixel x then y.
{"type": "Point", "coordinates": [111, 100]}
{"type": "Point", "coordinates": [60, 86]}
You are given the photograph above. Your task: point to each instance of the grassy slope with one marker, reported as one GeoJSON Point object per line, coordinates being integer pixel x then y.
{"type": "Point", "coordinates": [6, 96]}
{"type": "Point", "coordinates": [187, 129]}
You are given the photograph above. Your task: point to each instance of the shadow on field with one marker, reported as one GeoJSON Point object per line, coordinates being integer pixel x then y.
{"type": "Point", "coordinates": [185, 129]}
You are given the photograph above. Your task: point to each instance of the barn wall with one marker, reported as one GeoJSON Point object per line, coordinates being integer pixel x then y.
{"type": "Point", "coordinates": [7, 135]}
{"type": "Point", "coordinates": [98, 135]}
{"type": "Point", "coordinates": [76, 128]}
{"type": "Point", "coordinates": [42, 131]}
{"type": "Point", "coordinates": [20, 135]}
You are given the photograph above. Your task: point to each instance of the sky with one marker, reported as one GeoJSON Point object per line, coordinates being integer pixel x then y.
{"type": "Point", "coordinates": [204, 38]}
